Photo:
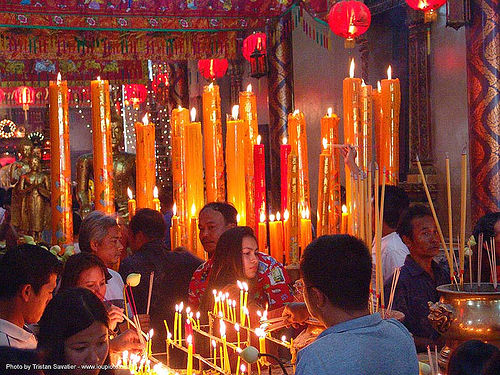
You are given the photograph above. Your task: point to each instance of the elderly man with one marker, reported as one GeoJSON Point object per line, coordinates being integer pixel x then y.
{"type": "Point", "coordinates": [215, 218]}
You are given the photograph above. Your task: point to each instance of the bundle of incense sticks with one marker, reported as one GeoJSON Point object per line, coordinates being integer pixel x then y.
{"type": "Point", "coordinates": [275, 324]}
{"type": "Point", "coordinates": [395, 278]}
{"type": "Point", "coordinates": [433, 360]}
{"type": "Point", "coordinates": [492, 258]}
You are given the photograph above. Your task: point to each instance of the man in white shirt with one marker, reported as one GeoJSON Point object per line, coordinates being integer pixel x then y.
{"type": "Point", "coordinates": [393, 249]}
{"type": "Point", "coordinates": [28, 276]}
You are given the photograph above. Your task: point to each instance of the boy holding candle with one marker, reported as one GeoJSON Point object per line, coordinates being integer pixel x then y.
{"type": "Point", "coordinates": [420, 275]}
{"type": "Point", "coordinates": [336, 271]}
{"type": "Point", "coordinates": [216, 218]}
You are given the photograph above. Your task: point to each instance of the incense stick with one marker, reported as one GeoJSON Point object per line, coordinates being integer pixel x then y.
{"type": "Point", "coordinates": [395, 278]}
{"type": "Point", "coordinates": [133, 325]}
{"type": "Point", "coordinates": [151, 277]}
{"type": "Point", "coordinates": [479, 259]}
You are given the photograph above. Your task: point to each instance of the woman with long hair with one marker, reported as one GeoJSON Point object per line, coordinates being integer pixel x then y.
{"type": "Point", "coordinates": [74, 334]}
{"type": "Point", "coordinates": [489, 226]}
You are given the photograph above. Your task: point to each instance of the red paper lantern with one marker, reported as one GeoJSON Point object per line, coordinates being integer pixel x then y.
{"type": "Point", "coordinates": [256, 41]}
{"type": "Point", "coordinates": [24, 95]}
{"type": "Point", "coordinates": [349, 19]}
{"type": "Point", "coordinates": [160, 82]}
{"type": "Point", "coordinates": [427, 6]}
{"type": "Point", "coordinates": [213, 68]}
{"type": "Point", "coordinates": [135, 94]}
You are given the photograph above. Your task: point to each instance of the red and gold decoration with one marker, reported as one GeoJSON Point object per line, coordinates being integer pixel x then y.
{"type": "Point", "coordinates": [134, 94]}
{"type": "Point", "coordinates": [60, 166]}
{"type": "Point", "coordinates": [145, 181]}
{"type": "Point", "coordinates": [7, 128]}
{"type": "Point", "coordinates": [427, 6]}
{"type": "Point", "coordinates": [102, 149]}
{"type": "Point", "coordinates": [254, 51]}
{"type": "Point", "coordinates": [349, 19]}
{"type": "Point", "coordinates": [213, 68]}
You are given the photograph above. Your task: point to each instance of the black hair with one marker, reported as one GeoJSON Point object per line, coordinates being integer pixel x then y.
{"type": "Point", "coordinates": [340, 266]}
{"type": "Point", "coordinates": [405, 226]}
{"type": "Point", "coordinates": [78, 263]}
{"type": "Point", "coordinates": [486, 226]}
{"type": "Point", "coordinates": [227, 211]}
{"type": "Point", "coordinates": [396, 201]}
{"type": "Point", "coordinates": [68, 313]}
{"type": "Point", "coordinates": [26, 264]}
{"type": "Point", "coordinates": [150, 222]}
{"type": "Point", "coordinates": [10, 357]}
{"type": "Point", "coordinates": [470, 357]}
{"type": "Point", "coordinates": [492, 367]}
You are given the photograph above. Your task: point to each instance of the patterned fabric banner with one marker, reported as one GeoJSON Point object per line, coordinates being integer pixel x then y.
{"type": "Point", "coordinates": [18, 44]}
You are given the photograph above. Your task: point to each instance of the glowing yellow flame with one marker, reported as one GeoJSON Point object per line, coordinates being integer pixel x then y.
{"type": "Point", "coordinates": [211, 86]}
{"type": "Point", "coordinates": [155, 193]}
{"type": "Point", "coordinates": [193, 210]}
{"type": "Point", "coordinates": [222, 328]}
{"type": "Point", "coordinates": [278, 216]}
{"type": "Point", "coordinates": [179, 107]}
{"type": "Point", "coordinates": [303, 214]}
{"type": "Point", "coordinates": [325, 143]}
{"type": "Point", "coordinates": [262, 217]}
{"type": "Point", "coordinates": [238, 217]}
{"type": "Point", "coordinates": [351, 69]}
{"type": "Point", "coordinates": [59, 77]}
{"type": "Point", "coordinates": [329, 112]}
{"type": "Point", "coordinates": [214, 344]}
{"type": "Point", "coordinates": [379, 86]}
{"type": "Point", "coordinates": [145, 119]}
{"type": "Point", "coordinates": [98, 78]}
{"type": "Point", "coordinates": [296, 112]}
{"type": "Point", "coordinates": [129, 193]}
{"type": "Point", "coordinates": [259, 138]}
{"type": "Point", "coordinates": [344, 209]}
{"type": "Point", "coordinates": [272, 217]}
{"type": "Point", "coordinates": [235, 112]}
{"type": "Point", "coordinates": [283, 338]}
{"type": "Point", "coordinates": [174, 209]}
{"type": "Point", "coordinates": [389, 72]}
{"type": "Point", "coordinates": [363, 84]}
{"type": "Point", "coordinates": [189, 339]}
{"type": "Point", "coordinates": [285, 140]}
{"type": "Point", "coordinates": [193, 114]}
{"type": "Point", "coordinates": [286, 215]}
{"type": "Point", "coordinates": [237, 327]}
{"type": "Point", "coordinates": [249, 87]}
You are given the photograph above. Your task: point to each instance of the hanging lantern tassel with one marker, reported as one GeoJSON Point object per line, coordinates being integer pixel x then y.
{"type": "Point", "coordinates": [349, 19]}
{"type": "Point", "coordinates": [429, 8]}
{"type": "Point", "coordinates": [25, 95]}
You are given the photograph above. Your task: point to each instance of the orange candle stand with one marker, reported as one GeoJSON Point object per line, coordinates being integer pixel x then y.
{"type": "Point", "coordinates": [324, 190]}
{"type": "Point", "coordinates": [248, 113]}
{"type": "Point", "coordinates": [212, 136]}
{"type": "Point", "coordinates": [235, 161]}
{"type": "Point", "coordinates": [60, 165]}
{"type": "Point", "coordinates": [102, 149]}
{"type": "Point", "coordinates": [329, 130]}
{"type": "Point", "coordinates": [145, 164]}
{"type": "Point", "coordinates": [390, 98]}
{"type": "Point", "coordinates": [179, 121]}
{"type": "Point", "coordinates": [276, 238]}
{"type": "Point", "coordinates": [298, 141]}
{"type": "Point", "coordinates": [305, 229]}
{"type": "Point", "coordinates": [194, 173]}
{"type": "Point", "coordinates": [292, 253]}
{"type": "Point", "coordinates": [365, 149]}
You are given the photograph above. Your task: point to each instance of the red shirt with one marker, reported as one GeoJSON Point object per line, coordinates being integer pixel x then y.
{"type": "Point", "coordinates": [272, 283]}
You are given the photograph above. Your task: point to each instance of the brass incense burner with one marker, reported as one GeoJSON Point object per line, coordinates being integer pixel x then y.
{"type": "Point", "coordinates": [472, 313]}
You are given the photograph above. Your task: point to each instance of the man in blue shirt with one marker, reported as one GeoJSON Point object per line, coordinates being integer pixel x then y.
{"type": "Point", "coordinates": [336, 272]}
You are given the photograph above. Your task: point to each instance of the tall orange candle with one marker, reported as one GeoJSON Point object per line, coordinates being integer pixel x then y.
{"type": "Point", "coordinates": [156, 200]}
{"type": "Point", "coordinates": [131, 203]}
{"type": "Point", "coordinates": [305, 229]}
{"type": "Point", "coordinates": [365, 142]}
{"type": "Point", "coordinates": [179, 121]}
{"type": "Point", "coordinates": [195, 195]}
{"type": "Point", "coordinates": [390, 98]}
{"type": "Point", "coordinates": [102, 149]}
{"type": "Point", "coordinates": [352, 120]}
{"type": "Point", "coordinates": [235, 161]}
{"type": "Point", "coordinates": [298, 141]}
{"type": "Point", "coordinates": [343, 229]}
{"type": "Point", "coordinates": [60, 165]}
{"type": "Point", "coordinates": [329, 130]}
{"type": "Point", "coordinates": [145, 163]}
{"type": "Point", "coordinates": [212, 136]}
{"type": "Point", "coordinates": [323, 189]}
{"type": "Point", "coordinates": [248, 113]}
{"type": "Point", "coordinates": [276, 237]}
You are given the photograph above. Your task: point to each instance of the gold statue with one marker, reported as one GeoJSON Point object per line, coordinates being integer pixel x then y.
{"type": "Point", "coordinates": [123, 170]}
{"type": "Point", "coordinates": [34, 188]}
{"type": "Point", "coordinates": [13, 174]}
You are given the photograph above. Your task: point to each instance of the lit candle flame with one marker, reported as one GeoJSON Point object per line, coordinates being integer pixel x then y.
{"type": "Point", "coordinates": [238, 217]}
{"type": "Point", "coordinates": [174, 209]}
{"type": "Point", "coordinates": [344, 209]}
{"type": "Point", "coordinates": [283, 338]}
{"type": "Point", "coordinates": [379, 86]}
{"type": "Point", "coordinates": [296, 112]}
{"type": "Point", "coordinates": [179, 107]}
{"type": "Point", "coordinates": [307, 213]}
{"type": "Point", "coordinates": [278, 216]}
{"type": "Point", "coordinates": [129, 193]}
{"type": "Point", "coordinates": [272, 217]}
{"type": "Point", "coordinates": [285, 140]}
{"type": "Point", "coordinates": [286, 215]}
{"type": "Point", "coordinates": [262, 217]}
{"type": "Point", "coordinates": [259, 138]}
{"type": "Point", "coordinates": [249, 87]}
{"type": "Point", "coordinates": [145, 119]}
{"type": "Point", "coordinates": [363, 84]}
{"type": "Point", "coordinates": [98, 78]}
{"type": "Point", "coordinates": [155, 193]}
{"type": "Point", "coordinates": [235, 112]}
{"type": "Point", "coordinates": [151, 333]}
{"type": "Point", "coordinates": [181, 306]}
{"type": "Point", "coordinates": [211, 86]}
{"type": "Point", "coordinates": [238, 282]}
{"type": "Point", "coordinates": [193, 210]}
{"type": "Point", "coordinates": [325, 143]}
{"type": "Point", "coordinates": [58, 77]}
{"type": "Point", "coordinates": [193, 114]}
{"type": "Point", "coordinates": [329, 112]}
{"type": "Point", "coordinates": [189, 340]}
{"type": "Point", "coordinates": [351, 69]}
{"type": "Point", "coordinates": [243, 368]}
{"type": "Point", "coordinates": [245, 286]}
{"type": "Point", "coordinates": [303, 214]}
{"type": "Point", "coordinates": [389, 72]}
{"type": "Point", "coordinates": [214, 344]}
{"type": "Point", "coordinates": [237, 327]}
{"type": "Point", "coordinates": [222, 328]}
